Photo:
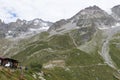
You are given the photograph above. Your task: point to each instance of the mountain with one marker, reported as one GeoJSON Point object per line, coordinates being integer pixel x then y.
{"type": "Point", "coordinates": [83, 47]}
{"type": "Point", "coordinates": [116, 11]}
{"type": "Point", "coordinates": [23, 28]}
{"type": "Point", "coordinates": [91, 29]}
{"type": "Point", "coordinates": [87, 17]}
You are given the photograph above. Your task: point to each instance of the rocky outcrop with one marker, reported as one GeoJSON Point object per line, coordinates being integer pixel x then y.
{"type": "Point", "coordinates": [116, 11]}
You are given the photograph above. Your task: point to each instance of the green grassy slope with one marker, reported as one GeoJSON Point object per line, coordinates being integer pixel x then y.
{"type": "Point", "coordinates": [79, 65]}
{"type": "Point", "coordinates": [7, 74]}
{"type": "Point", "coordinates": [115, 49]}
{"type": "Point", "coordinates": [81, 73]}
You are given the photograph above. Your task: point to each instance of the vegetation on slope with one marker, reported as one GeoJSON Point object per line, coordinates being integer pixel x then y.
{"type": "Point", "coordinates": [79, 65]}
{"type": "Point", "coordinates": [115, 51]}
{"type": "Point", "coordinates": [8, 74]}
{"type": "Point", "coordinates": [95, 72]}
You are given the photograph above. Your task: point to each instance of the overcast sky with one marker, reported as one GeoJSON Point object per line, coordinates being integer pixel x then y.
{"type": "Point", "coordinates": [50, 10]}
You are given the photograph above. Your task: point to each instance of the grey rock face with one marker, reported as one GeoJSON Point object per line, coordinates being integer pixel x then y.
{"type": "Point", "coordinates": [92, 15]}
{"type": "Point", "coordinates": [57, 24]}
{"type": "Point", "coordinates": [116, 10]}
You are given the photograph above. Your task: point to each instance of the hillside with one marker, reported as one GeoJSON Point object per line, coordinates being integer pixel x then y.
{"type": "Point", "coordinates": [83, 47]}
{"type": "Point", "coordinates": [8, 74]}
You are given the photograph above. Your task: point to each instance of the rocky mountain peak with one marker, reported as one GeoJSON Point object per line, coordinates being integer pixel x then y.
{"type": "Point", "coordinates": [20, 22]}
{"type": "Point", "coordinates": [24, 28]}
{"type": "Point", "coordinates": [38, 20]}
{"type": "Point", "coordinates": [90, 12]}
{"type": "Point", "coordinates": [92, 16]}
{"type": "Point", "coordinates": [35, 21]}
{"type": "Point", "coordinates": [116, 11]}
{"type": "Point", "coordinates": [93, 8]}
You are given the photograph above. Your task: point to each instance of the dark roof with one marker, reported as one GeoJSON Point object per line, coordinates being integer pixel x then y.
{"type": "Point", "coordinates": [1, 58]}
{"type": "Point", "coordinates": [13, 60]}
